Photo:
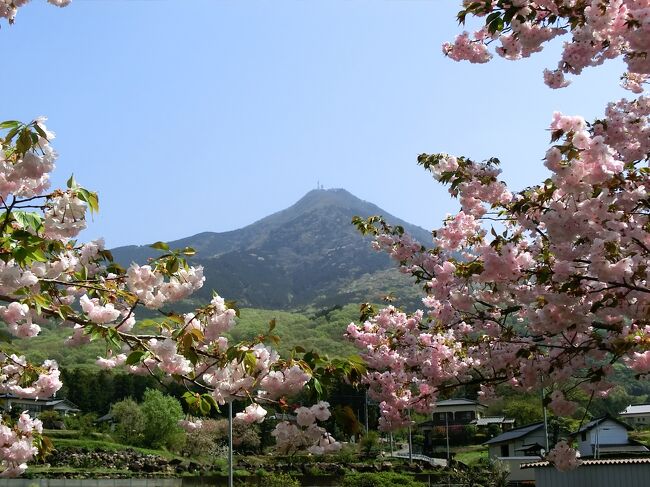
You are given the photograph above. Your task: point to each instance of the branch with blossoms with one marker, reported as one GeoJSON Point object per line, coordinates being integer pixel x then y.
{"type": "Point", "coordinates": [47, 276]}
{"type": "Point", "coordinates": [561, 293]}
{"type": "Point", "coordinates": [553, 300]}
{"type": "Point", "coordinates": [9, 8]}
{"type": "Point", "coordinates": [600, 30]}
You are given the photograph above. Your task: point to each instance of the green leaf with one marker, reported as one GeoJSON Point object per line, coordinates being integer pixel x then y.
{"type": "Point", "coordinates": [250, 361]}
{"type": "Point", "coordinates": [209, 399]}
{"type": "Point", "coordinates": [89, 197]}
{"type": "Point", "coordinates": [318, 387]}
{"type": "Point", "coordinates": [11, 134]}
{"type": "Point", "coordinates": [159, 246]}
{"type": "Point", "coordinates": [191, 398]}
{"type": "Point", "coordinates": [136, 357]}
{"type": "Point", "coordinates": [172, 265]}
{"type": "Point", "coordinates": [8, 124]}
{"type": "Point", "coordinates": [204, 406]}
{"type": "Point", "coordinates": [28, 220]}
{"type": "Point", "coordinates": [40, 131]}
{"type": "Point", "coordinates": [72, 183]}
{"type": "Point", "coordinates": [24, 142]}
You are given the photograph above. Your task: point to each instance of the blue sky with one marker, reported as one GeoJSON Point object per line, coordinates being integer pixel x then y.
{"type": "Point", "coordinates": [189, 116]}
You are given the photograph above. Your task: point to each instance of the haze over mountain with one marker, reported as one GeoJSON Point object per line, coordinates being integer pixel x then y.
{"type": "Point", "coordinates": [306, 255]}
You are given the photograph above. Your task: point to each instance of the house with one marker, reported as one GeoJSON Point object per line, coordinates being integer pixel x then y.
{"type": "Point", "coordinates": [457, 411]}
{"type": "Point", "coordinates": [9, 402]}
{"type": "Point", "coordinates": [449, 420]}
{"type": "Point", "coordinates": [526, 441]}
{"type": "Point", "coordinates": [516, 446]}
{"type": "Point", "coordinates": [628, 472]}
{"type": "Point", "coordinates": [637, 416]}
{"type": "Point", "coordinates": [606, 436]}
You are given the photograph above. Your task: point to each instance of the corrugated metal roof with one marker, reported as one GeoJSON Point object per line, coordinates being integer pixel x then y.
{"type": "Point", "coordinates": [605, 461]}
{"type": "Point", "coordinates": [638, 409]}
{"type": "Point", "coordinates": [515, 433]}
{"type": "Point", "coordinates": [458, 402]}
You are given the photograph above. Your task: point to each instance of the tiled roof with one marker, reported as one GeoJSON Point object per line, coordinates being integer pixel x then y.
{"type": "Point", "coordinates": [486, 420]}
{"type": "Point", "coordinates": [607, 461]}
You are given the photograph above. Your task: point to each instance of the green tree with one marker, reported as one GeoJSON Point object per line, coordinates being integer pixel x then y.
{"type": "Point", "coordinates": [130, 421]}
{"type": "Point", "coordinates": [161, 415]}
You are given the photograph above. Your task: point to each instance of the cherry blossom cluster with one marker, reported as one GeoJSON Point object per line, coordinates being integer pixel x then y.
{"type": "Point", "coordinates": [305, 432]}
{"type": "Point", "coordinates": [17, 444]}
{"type": "Point", "coordinates": [599, 29]}
{"type": "Point", "coordinates": [9, 8]}
{"type": "Point", "coordinates": [408, 361]}
{"type": "Point", "coordinates": [563, 456]}
{"type": "Point", "coordinates": [22, 379]}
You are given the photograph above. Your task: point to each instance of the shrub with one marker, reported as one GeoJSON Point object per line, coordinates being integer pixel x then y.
{"type": "Point", "coordinates": [347, 454]}
{"type": "Point", "coordinates": [280, 480]}
{"type": "Point", "coordinates": [384, 479]}
{"type": "Point", "coordinates": [51, 419]}
{"type": "Point", "coordinates": [369, 444]}
{"type": "Point", "coordinates": [84, 423]}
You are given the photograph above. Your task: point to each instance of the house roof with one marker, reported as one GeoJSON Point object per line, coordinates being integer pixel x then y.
{"type": "Point", "coordinates": [459, 402]}
{"type": "Point", "coordinates": [47, 401]}
{"type": "Point", "coordinates": [528, 447]}
{"type": "Point", "coordinates": [631, 447]}
{"type": "Point", "coordinates": [515, 433]}
{"type": "Point", "coordinates": [638, 409]}
{"type": "Point", "coordinates": [486, 420]}
{"type": "Point", "coordinates": [608, 461]}
{"type": "Point", "coordinates": [595, 422]}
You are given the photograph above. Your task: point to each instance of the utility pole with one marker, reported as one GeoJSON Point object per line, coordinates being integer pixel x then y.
{"type": "Point", "coordinates": [545, 416]}
{"type": "Point", "coordinates": [365, 408]}
{"type": "Point", "coordinates": [230, 476]}
{"type": "Point", "coordinates": [410, 440]}
{"type": "Point", "coordinates": [447, 431]}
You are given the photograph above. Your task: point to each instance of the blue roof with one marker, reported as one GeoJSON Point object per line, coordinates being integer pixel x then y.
{"type": "Point", "coordinates": [515, 433]}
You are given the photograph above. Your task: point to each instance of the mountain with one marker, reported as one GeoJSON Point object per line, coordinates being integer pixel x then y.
{"type": "Point", "coordinates": [306, 255]}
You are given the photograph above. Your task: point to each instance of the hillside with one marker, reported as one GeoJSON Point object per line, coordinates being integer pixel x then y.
{"type": "Point", "coordinates": [321, 331]}
{"type": "Point", "coordinates": [306, 256]}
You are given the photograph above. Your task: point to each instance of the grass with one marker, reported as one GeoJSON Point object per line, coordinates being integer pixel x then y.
{"type": "Point", "coordinates": [470, 454]}
{"type": "Point", "coordinates": [643, 436]}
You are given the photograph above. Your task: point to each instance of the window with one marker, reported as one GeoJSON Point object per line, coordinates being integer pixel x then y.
{"type": "Point", "coordinates": [583, 437]}
{"type": "Point", "coordinates": [505, 450]}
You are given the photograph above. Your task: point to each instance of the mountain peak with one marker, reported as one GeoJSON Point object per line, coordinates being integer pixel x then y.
{"type": "Point", "coordinates": [307, 253]}
{"type": "Point", "coordinates": [339, 197]}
